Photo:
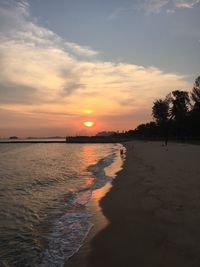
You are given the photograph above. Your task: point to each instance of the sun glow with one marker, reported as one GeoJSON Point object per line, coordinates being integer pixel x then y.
{"type": "Point", "coordinates": [88, 111]}
{"type": "Point", "coordinates": [88, 123]}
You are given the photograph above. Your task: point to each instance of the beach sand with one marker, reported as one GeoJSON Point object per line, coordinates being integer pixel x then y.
{"type": "Point", "coordinates": [153, 210]}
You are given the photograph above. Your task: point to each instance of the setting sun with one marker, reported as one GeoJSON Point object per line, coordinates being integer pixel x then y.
{"type": "Point", "coordinates": [88, 123]}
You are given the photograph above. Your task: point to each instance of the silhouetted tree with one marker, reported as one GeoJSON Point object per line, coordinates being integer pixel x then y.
{"type": "Point", "coordinates": [180, 105]}
{"type": "Point", "coordinates": [194, 122]}
{"type": "Point", "coordinates": [160, 111]}
{"type": "Point", "coordinates": [175, 117]}
{"type": "Point", "coordinates": [179, 112]}
{"type": "Point", "coordinates": [147, 130]}
{"type": "Point", "coordinates": [195, 95]}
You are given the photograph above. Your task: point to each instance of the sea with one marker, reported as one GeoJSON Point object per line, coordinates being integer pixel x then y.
{"type": "Point", "coordinates": [44, 192]}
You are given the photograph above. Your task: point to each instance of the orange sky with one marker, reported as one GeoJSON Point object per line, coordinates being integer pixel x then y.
{"type": "Point", "coordinates": [49, 86]}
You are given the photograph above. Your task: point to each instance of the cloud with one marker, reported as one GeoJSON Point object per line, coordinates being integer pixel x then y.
{"type": "Point", "coordinates": [186, 3]}
{"type": "Point", "coordinates": [155, 6]}
{"type": "Point", "coordinates": [17, 25]}
{"type": "Point", "coordinates": [10, 93]}
{"type": "Point", "coordinates": [81, 50]}
{"type": "Point", "coordinates": [71, 87]}
{"type": "Point", "coordinates": [170, 11]}
{"type": "Point", "coordinates": [57, 76]}
{"type": "Point", "coordinates": [50, 113]}
{"type": "Point", "coordinates": [117, 13]}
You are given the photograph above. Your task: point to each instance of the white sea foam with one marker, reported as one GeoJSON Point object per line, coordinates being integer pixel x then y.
{"type": "Point", "coordinates": [67, 237]}
{"type": "Point", "coordinates": [69, 232]}
{"type": "Point", "coordinates": [83, 196]}
{"type": "Point", "coordinates": [98, 170]}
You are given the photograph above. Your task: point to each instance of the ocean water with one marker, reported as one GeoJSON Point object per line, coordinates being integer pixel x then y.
{"type": "Point", "coordinates": [44, 191]}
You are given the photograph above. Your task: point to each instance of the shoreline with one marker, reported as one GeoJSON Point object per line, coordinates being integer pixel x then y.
{"type": "Point", "coordinates": [153, 210]}
{"type": "Point", "coordinates": [99, 221]}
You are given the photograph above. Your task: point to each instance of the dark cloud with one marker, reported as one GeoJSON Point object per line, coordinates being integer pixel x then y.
{"type": "Point", "coordinates": [132, 115]}
{"type": "Point", "coordinates": [64, 114]}
{"type": "Point", "coordinates": [71, 87]}
{"type": "Point", "coordinates": [19, 94]}
{"type": "Point", "coordinates": [91, 94]}
{"type": "Point", "coordinates": [127, 102]}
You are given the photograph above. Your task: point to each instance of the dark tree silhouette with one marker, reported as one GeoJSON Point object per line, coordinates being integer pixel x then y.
{"type": "Point", "coordinates": [179, 112]}
{"type": "Point", "coordinates": [180, 105]}
{"type": "Point", "coordinates": [194, 123]}
{"type": "Point", "coordinates": [160, 111]}
{"type": "Point", "coordinates": [195, 95]}
{"type": "Point", "coordinates": [175, 117]}
{"type": "Point", "coordinates": [148, 130]}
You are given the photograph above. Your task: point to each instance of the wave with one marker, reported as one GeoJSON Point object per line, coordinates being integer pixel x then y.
{"type": "Point", "coordinates": [69, 231]}
{"type": "Point", "coordinates": [68, 235]}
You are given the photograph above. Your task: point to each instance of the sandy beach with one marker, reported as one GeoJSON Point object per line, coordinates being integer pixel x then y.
{"type": "Point", "coordinates": [153, 209]}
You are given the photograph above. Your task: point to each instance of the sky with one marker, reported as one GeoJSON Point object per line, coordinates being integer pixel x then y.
{"type": "Point", "coordinates": [64, 62]}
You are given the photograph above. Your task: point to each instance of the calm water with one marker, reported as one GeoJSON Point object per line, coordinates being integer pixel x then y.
{"type": "Point", "coordinates": [44, 189]}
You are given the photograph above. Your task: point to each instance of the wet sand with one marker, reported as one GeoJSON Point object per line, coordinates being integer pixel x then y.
{"type": "Point", "coordinates": [153, 209]}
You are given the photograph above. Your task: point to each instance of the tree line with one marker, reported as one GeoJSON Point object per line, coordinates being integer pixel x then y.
{"type": "Point", "coordinates": [177, 116]}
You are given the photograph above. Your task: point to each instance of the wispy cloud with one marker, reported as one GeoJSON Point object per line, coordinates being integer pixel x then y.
{"type": "Point", "coordinates": [155, 6]}
{"type": "Point", "coordinates": [118, 12]}
{"type": "Point", "coordinates": [170, 11]}
{"type": "Point", "coordinates": [54, 75]}
{"type": "Point", "coordinates": [81, 50]}
{"type": "Point", "coordinates": [186, 3]}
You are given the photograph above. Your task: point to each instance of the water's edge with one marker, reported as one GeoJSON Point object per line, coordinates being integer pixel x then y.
{"type": "Point", "coordinates": [71, 230]}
